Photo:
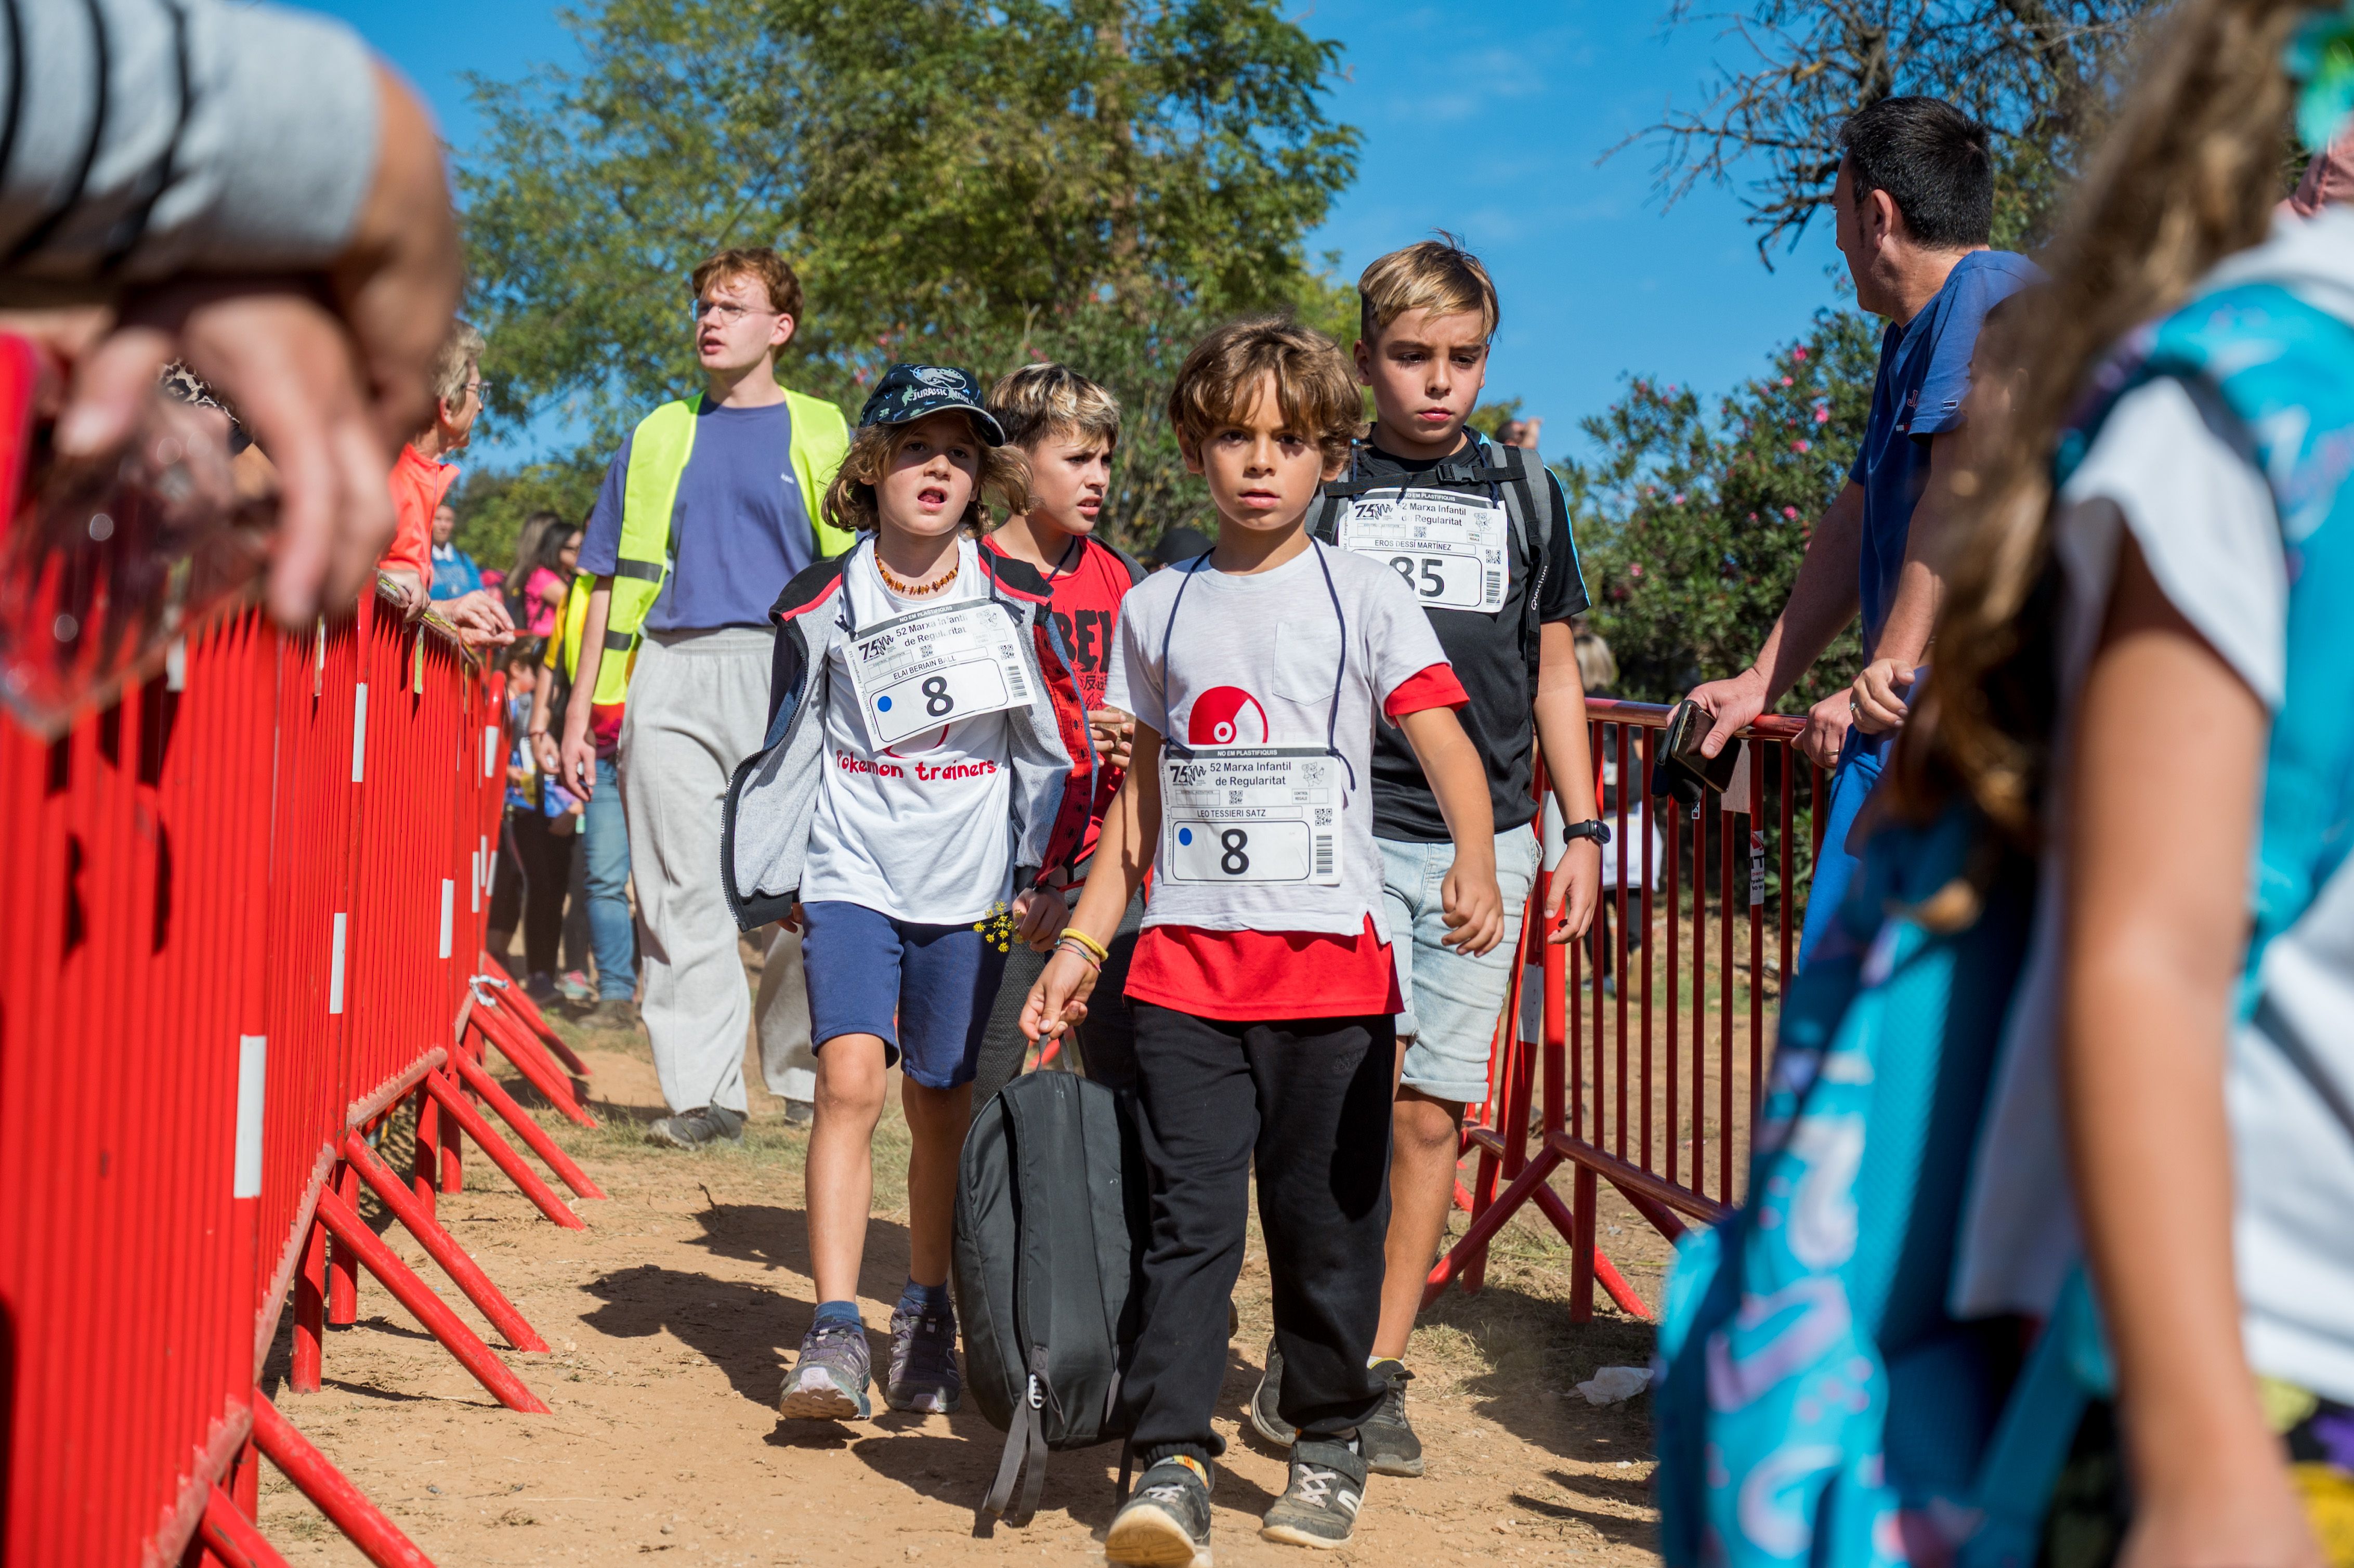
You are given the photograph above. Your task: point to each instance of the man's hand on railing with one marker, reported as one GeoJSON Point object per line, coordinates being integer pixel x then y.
{"type": "Point", "coordinates": [1877, 705]}
{"type": "Point", "coordinates": [1732, 704]}
{"type": "Point", "coordinates": [1575, 889]}
{"type": "Point", "coordinates": [1827, 726]}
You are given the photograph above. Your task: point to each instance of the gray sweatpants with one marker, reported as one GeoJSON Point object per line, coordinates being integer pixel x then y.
{"type": "Point", "coordinates": [698, 707]}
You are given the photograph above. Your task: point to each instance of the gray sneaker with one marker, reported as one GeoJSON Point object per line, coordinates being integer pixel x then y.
{"type": "Point", "coordinates": [800, 1113]}
{"type": "Point", "coordinates": [1390, 1446]}
{"type": "Point", "coordinates": [829, 1381]}
{"type": "Point", "coordinates": [613, 1013]}
{"type": "Point", "coordinates": [693, 1128]}
{"type": "Point", "coordinates": [1265, 1416]}
{"type": "Point", "coordinates": [924, 1374]}
{"type": "Point", "coordinates": [1319, 1507]}
{"type": "Point", "coordinates": [1164, 1523]}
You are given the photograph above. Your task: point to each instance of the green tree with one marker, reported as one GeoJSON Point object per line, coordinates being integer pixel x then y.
{"type": "Point", "coordinates": [1692, 526]}
{"type": "Point", "coordinates": [2041, 73]}
{"type": "Point", "coordinates": [954, 180]}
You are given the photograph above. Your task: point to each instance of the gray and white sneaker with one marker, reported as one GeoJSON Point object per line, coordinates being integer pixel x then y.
{"type": "Point", "coordinates": [694, 1128]}
{"type": "Point", "coordinates": [1164, 1523]}
{"type": "Point", "coordinates": [1266, 1418]}
{"type": "Point", "coordinates": [1388, 1439]}
{"type": "Point", "coordinates": [829, 1381]}
{"type": "Point", "coordinates": [1319, 1507]}
{"type": "Point", "coordinates": [924, 1373]}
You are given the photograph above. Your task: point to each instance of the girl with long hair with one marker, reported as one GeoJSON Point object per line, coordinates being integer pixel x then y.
{"type": "Point", "coordinates": [2144, 676]}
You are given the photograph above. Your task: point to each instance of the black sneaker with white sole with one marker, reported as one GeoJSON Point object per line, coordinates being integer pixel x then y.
{"type": "Point", "coordinates": [1265, 1417]}
{"type": "Point", "coordinates": [697, 1127]}
{"type": "Point", "coordinates": [1319, 1507]}
{"type": "Point", "coordinates": [1165, 1522]}
{"type": "Point", "coordinates": [1390, 1446]}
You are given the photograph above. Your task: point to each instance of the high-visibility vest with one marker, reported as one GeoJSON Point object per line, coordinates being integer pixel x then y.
{"type": "Point", "coordinates": [659, 451]}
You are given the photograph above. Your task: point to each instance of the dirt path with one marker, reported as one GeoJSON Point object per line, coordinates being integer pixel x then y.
{"type": "Point", "coordinates": [673, 1315]}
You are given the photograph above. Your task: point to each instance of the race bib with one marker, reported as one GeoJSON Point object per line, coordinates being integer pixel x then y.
{"type": "Point", "coordinates": [1250, 815]}
{"type": "Point", "coordinates": [920, 671]}
{"type": "Point", "coordinates": [1449, 548]}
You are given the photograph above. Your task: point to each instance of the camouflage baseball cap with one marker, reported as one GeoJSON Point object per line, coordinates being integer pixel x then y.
{"type": "Point", "coordinates": [911, 392]}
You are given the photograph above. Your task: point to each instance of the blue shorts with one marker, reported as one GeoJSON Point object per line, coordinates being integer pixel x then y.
{"type": "Point", "coordinates": [925, 990]}
{"type": "Point", "coordinates": [1452, 999]}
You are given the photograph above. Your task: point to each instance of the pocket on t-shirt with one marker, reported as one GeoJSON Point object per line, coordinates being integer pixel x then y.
{"type": "Point", "coordinates": [1307, 660]}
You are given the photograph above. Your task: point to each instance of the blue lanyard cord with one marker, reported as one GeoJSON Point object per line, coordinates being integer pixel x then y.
{"type": "Point", "coordinates": [1339, 674]}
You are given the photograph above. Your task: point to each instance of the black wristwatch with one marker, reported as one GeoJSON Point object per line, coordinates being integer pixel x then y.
{"type": "Point", "coordinates": [1592, 828]}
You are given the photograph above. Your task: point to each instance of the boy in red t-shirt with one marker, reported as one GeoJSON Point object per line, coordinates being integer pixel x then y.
{"type": "Point", "coordinates": [1066, 428]}
{"type": "Point", "coordinates": [1263, 986]}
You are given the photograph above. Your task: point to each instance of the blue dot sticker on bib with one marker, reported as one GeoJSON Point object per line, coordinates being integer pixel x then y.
{"type": "Point", "coordinates": [1184, 835]}
{"type": "Point", "coordinates": [883, 704]}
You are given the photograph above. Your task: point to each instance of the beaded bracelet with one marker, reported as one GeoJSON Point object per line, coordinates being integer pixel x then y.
{"type": "Point", "coordinates": [1066, 946]}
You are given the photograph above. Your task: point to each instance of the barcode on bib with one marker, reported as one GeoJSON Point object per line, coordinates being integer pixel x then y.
{"type": "Point", "coordinates": [1323, 854]}
{"type": "Point", "coordinates": [1495, 589]}
{"type": "Point", "coordinates": [1016, 683]}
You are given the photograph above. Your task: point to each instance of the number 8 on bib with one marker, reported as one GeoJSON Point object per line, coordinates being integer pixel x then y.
{"type": "Point", "coordinates": [1249, 815]}
{"type": "Point", "coordinates": [920, 671]}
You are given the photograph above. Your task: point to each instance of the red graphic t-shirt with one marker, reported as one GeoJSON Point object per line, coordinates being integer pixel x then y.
{"type": "Point", "coordinates": [1086, 612]}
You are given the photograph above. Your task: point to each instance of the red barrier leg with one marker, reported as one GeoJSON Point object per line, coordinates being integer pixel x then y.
{"type": "Point", "coordinates": [231, 1538]}
{"type": "Point", "coordinates": [427, 1169]}
{"type": "Point", "coordinates": [310, 1309]}
{"type": "Point", "coordinates": [1604, 1270]}
{"type": "Point", "coordinates": [412, 1213]}
{"type": "Point", "coordinates": [330, 1493]}
{"type": "Point", "coordinates": [505, 1032]}
{"type": "Point", "coordinates": [1582, 1254]}
{"type": "Point", "coordinates": [495, 1094]}
{"type": "Point", "coordinates": [413, 1293]}
{"type": "Point", "coordinates": [502, 1154]}
{"type": "Point", "coordinates": [453, 1148]}
{"type": "Point", "coordinates": [1471, 1249]}
{"type": "Point", "coordinates": [342, 1272]}
{"type": "Point", "coordinates": [528, 1011]}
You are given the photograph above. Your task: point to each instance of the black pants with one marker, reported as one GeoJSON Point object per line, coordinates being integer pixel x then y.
{"type": "Point", "coordinates": [1104, 1039]}
{"type": "Point", "coordinates": [534, 871]}
{"type": "Point", "coordinates": [1309, 1101]}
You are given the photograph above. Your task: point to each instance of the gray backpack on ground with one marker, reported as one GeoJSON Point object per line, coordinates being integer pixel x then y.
{"type": "Point", "coordinates": [1051, 1222]}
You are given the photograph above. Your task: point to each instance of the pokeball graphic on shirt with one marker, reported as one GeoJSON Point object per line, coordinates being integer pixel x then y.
{"type": "Point", "coordinates": [1226, 716]}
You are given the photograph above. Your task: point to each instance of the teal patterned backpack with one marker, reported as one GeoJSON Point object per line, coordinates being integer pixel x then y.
{"type": "Point", "coordinates": [1820, 1406]}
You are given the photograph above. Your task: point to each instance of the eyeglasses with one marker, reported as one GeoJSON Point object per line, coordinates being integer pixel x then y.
{"type": "Point", "coordinates": [480, 387]}
{"type": "Point", "coordinates": [727, 312]}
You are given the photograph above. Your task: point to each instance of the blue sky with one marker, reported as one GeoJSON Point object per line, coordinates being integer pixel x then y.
{"type": "Point", "coordinates": [1485, 120]}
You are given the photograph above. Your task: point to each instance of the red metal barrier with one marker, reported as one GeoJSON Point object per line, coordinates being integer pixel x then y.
{"type": "Point", "coordinates": [1646, 1062]}
{"type": "Point", "coordinates": [246, 907]}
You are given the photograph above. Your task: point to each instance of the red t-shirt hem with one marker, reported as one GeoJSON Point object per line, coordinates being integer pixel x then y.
{"type": "Point", "coordinates": [1241, 977]}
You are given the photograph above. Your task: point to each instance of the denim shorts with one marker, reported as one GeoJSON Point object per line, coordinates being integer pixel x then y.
{"type": "Point", "coordinates": [925, 990]}
{"type": "Point", "coordinates": [1452, 1000]}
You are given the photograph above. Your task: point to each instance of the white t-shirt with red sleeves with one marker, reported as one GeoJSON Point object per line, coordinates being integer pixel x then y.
{"type": "Point", "coordinates": [921, 830]}
{"type": "Point", "coordinates": [1254, 663]}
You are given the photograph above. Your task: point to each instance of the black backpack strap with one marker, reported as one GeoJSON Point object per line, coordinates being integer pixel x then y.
{"type": "Point", "coordinates": [1026, 1445]}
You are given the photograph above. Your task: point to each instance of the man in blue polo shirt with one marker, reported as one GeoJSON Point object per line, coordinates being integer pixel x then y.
{"type": "Point", "coordinates": [1914, 207]}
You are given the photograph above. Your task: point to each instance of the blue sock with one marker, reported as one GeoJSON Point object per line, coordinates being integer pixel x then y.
{"type": "Point", "coordinates": [836, 1312]}
{"type": "Point", "coordinates": [922, 1298]}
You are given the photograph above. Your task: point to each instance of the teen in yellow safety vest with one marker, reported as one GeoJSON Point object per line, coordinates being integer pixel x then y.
{"type": "Point", "coordinates": [659, 451]}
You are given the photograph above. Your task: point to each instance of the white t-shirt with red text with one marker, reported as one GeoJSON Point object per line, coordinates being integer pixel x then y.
{"type": "Point", "coordinates": [921, 830]}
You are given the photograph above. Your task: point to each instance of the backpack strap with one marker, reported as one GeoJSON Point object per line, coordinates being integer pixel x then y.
{"type": "Point", "coordinates": [1026, 1445]}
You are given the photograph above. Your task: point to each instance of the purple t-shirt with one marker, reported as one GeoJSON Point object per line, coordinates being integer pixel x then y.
{"type": "Point", "coordinates": [1924, 374]}
{"type": "Point", "coordinates": [739, 529]}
